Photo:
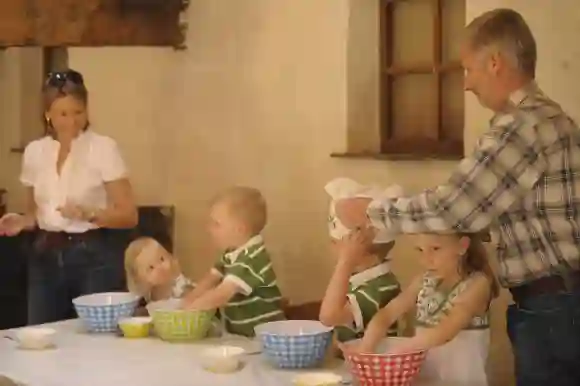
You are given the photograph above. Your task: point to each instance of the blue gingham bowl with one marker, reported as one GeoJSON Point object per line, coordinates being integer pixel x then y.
{"type": "Point", "coordinates": [294, 344]}
{"type": "Point", "coordinates": [101, 312]}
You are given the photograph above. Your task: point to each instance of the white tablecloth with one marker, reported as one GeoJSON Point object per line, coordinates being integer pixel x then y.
{"type": "Point", "coordinates": [82, 359]}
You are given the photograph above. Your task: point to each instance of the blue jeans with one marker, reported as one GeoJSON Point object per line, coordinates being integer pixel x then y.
{"type": "Point", "coordinates": [58, 275]}
{"type": "Point", "coordinates": [545, 335]}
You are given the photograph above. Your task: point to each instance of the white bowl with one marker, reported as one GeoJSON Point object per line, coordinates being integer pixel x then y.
{"type": "Point", "coordinates": [35, 338]}
{"type": "Point", "coordinates": [317, 379]}
{"type": "Point", "coordinates": [222, 359]}
{"type": "Point", "coordinates": [105, 299]}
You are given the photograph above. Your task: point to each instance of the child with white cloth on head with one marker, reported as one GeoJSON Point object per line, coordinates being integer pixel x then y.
{"type": "Point", "coordinates": [362, 282]}
{"type": "Point", "coordinates": [452, 300]}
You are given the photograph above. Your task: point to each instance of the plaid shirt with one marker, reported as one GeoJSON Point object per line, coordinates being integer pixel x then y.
{"type": "Point", "coordinates": [522, 181]}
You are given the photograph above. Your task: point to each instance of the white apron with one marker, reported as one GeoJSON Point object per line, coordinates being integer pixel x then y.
{"type": "Point", "coordinates": [460, 362]}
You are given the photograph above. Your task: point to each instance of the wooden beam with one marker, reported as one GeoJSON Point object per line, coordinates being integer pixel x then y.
{"type": "Point", "coordinates": [92, 23]}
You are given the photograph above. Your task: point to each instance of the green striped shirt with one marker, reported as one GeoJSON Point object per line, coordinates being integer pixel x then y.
{"type": "Point", "coordinates": [370, 290]}
{"type": "Point", "coordinates": [259, 298]}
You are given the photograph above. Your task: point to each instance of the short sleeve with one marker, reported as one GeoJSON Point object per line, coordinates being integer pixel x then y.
{"type": "Point", "coordinates": [366, 301]}
{"type": "Point", "coordinates": [111, 164]}
{"type": "Point", "coordinates": [248, 272]}
{"type": "Point", "coordinates": [29, 164]}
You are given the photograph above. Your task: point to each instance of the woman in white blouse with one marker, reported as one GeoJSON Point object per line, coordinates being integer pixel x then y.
{"type": "Point", "coordinates": [77, 190]}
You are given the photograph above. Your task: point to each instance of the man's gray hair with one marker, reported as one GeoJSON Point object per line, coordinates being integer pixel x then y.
{"type": "Point", "coordinates": [506, 30]}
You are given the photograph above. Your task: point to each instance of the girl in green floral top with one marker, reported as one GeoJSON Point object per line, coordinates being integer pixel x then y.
{"type": "Point", "coordinates": [452, 299]}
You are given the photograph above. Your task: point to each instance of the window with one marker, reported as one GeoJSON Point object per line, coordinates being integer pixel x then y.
{"type": "Point", "coordinates": [421, 89]}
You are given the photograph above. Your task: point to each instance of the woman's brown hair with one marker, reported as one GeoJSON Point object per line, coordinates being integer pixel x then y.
{"type": "Point", "coordinates": [477, 260]}
{"type": "Point", "coordinates": [59, 85]}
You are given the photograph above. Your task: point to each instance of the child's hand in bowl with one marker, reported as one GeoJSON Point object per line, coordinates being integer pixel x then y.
{"type": "Point", "coordinates": [185, 304]}
{"type": "Point", "coordinates": [355, 348]}
{"type": "Point", "coordinates": [406, 347]}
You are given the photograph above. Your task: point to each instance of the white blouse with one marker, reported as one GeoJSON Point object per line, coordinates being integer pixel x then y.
{"type": "Point", "coordinates": [93, 160]}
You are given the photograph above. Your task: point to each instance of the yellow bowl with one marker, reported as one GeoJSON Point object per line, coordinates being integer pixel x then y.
{"type": "Point", "coordinates": [135, 327]}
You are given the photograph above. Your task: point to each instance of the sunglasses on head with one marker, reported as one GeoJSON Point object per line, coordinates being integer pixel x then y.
{"type": "Point", "coordinates": [59, 79]}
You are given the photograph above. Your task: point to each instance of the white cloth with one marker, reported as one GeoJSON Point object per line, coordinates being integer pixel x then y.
{"type": "Point", "coordinates": [462, 361]}
{"type": "Point", "coordinates": [82, 359]}
{"type": "Point", "coordinates": [341, 188]}
{"type": "Point", "coordinates": [93, 160]}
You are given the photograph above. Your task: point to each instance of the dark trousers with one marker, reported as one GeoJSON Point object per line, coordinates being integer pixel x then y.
{"type": "Point", "coordinates": [544, 330]}
{"type": "Point", "coordinates": [59, 271]}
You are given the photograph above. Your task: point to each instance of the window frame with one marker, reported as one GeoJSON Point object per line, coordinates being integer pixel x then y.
{"type": "Point", "coordinates": [441, 147]}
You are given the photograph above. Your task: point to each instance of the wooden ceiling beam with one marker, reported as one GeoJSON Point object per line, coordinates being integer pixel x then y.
{"type": "Point", "coordinates": [92, 23]}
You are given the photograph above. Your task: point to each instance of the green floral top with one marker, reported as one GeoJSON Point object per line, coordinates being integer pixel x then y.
{"type": "Point", "coordinates": [433, 303]}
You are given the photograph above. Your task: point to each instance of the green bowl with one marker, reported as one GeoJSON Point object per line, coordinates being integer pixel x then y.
{"type": "Point", "coordinates": [181, 325]}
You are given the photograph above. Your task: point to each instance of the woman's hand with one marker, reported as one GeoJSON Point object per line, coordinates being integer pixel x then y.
{"type": "Point", "coordinates": [75, 212]}
{"type": "Point", "coordinates": [11, 224]}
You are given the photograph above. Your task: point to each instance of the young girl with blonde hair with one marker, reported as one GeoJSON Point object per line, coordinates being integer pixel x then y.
{"type": "Point", "coordinates": [152, 272]}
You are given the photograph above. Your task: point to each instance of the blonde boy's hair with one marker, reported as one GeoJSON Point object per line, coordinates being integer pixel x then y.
{"type": "Point", "coordinates": [131, 253]}
{"type": "Point", "coordinates": [246, 204]}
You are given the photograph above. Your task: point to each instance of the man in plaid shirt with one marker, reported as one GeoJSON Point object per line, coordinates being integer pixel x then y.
{"type": "Point", "coordinates": [522, 181]}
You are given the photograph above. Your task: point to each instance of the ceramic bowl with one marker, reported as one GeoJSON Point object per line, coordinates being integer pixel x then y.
{"type": "Point", "coordinates": [172, 324]}
{"type": "Point", "coordinates": [294, 344]}
{"type": "Point", "coordinates": [135, 327]}
{"type": "Point", "coordinates": [382, 368]}
{"type": "Point", "coordinates": [222, 359]}
{"type": "Point", "coordinates": [101, 312]}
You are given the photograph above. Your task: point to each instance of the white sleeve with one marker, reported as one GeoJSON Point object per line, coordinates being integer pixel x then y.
{"type": "Point", "coordinates": [357, 316]}
{"type": "Point", "coordinates": [29, 164]}
{"type": "Point", "coordinates": [111, 163]}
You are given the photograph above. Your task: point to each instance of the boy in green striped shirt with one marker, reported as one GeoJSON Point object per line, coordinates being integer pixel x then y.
{"type": "Point", "coordinates": [242, 282]}
{"type": "Point", "coordinates": [362, 282]}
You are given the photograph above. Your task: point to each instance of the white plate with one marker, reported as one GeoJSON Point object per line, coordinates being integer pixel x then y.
{"type": "Point", "coordinates": [318, 379]}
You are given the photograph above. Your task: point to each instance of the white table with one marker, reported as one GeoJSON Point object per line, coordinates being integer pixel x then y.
{"type": "Point", "coordinates": [83, 359]}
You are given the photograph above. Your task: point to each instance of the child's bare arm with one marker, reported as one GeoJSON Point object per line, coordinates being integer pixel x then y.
{"type": "Point", "coordinates": [379, 325]}
{"type": "Point", "coordinates": [216, 297]}
{"type": "Point", "coordinates": [207, 283]}
{"type": "Point", "coordinates": [335, 309]}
